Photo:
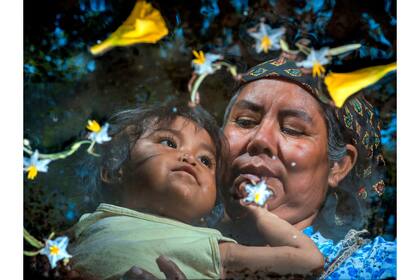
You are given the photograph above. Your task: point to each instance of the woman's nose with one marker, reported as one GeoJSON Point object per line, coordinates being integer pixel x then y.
{"type": "Point", "coordinates": [265, 140]}
{"type": "Point", "coordinates": [188, 158]}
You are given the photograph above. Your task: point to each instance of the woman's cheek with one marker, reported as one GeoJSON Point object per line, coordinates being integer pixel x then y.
{"type": "Point", "coordinates": [300, 156]}
{"type": "Point", "coordinates": [237, 140]}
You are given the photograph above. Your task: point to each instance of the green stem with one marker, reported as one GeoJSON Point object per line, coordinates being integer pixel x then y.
{"type": "Point", "coordinates": [90, 149]}
{"type": "Point", "coordinates": [196, 86]}
{"type": "Point", "coordinates": [60, 155]}
{"type": "Point", "coordinates": [32, 240]}
{"type": "Point", "coordinates": [27, 150]}
{"type": "Point", "coordinates": [51, 235]}
{"type": "Point", "coordinates": [303, 48]}
{"type": "Point", "coordinates": [343, 49]}
{"type": "Point", "coordinates": [230, 67]}
{"type": "Point", "coordinates": [31, 254]}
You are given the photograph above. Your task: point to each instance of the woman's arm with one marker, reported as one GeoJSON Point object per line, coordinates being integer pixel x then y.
{"type": "Point", "coordinates": [290, 250]}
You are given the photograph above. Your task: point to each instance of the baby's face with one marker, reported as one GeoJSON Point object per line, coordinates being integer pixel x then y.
{"type": "Point", "coordinates": [172, 171]}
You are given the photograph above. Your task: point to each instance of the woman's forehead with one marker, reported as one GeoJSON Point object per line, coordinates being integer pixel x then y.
{"type": "Point", "coordinates": [268, 92]}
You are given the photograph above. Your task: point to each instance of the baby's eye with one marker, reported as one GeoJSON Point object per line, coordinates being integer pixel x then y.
{"type": "Point", "coordinates": [168, 142]}
{"type": "Point", "coordinates": [206, 161]}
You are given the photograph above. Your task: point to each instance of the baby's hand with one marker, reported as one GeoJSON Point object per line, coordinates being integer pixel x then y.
{"type": "Point", "coordinates": [254, 211]}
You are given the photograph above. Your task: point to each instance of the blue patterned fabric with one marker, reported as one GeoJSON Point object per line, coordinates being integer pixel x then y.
{"type": "Point", "coordinates": [374, 260]}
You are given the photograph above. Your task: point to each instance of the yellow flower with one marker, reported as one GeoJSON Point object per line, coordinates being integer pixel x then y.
{"type": "Point", "coordinates": [258, 193]}
{"type": "Point", "coordinates": [317, 69]}
{"type": "Point", "coordinates": [204, 62]}
{"type": "Point", "coordinates": [199, 57]}
{"type": "Point", "coordinates": [99, 134]}
{"type": "Point", "coordinates": [315, 60]}
{"type": "Point", "coordinates": [342, 85]}
{"type": "Point", "coordinates": [144, 25]}
{"type": "Point", "coordinates": [32, 172]}
{"type": "Point", "coordinates": [54, 250]}
{"type": "Point", "coordinates": [266, 43]}
{"type": "Point", "coordinates": [266, 37]}
{"type": "Point", "coordinates": [93, 126]}
{"type": "Point", "coordinates": [33, 165]}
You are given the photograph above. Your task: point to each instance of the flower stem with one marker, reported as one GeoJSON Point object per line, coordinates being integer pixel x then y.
{"type": "Point", "coordinates": [32, 253]}
{"type": "Point", "coordinates": [51, 235]}
{"type": "Point", "coordinates": [196, 85]}
{"type": "Point", "coordinates": [90, 149]}
{"type": "Point", "coordinates": [343, 49]}
{"type": "Point", "coordinates": [60, 155]}
{"type": "Point", "coordinates": [32, 240]}
{"type": "Point", "coordinates": [303, 48]}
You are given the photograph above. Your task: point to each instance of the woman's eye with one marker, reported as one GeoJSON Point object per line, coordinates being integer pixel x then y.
{"type": "Point", "coordinates": [292, 131]}
{"type": "Point", "coordinates": [245, 122]}
{"type": "Point", "coordinates": [169, 143]}
{"type": "Point", "coordinates": [206, 161]}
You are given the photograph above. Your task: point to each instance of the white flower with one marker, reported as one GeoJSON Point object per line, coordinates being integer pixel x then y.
{"type": "Point", "coordinates": [258, 193]}
{"type": "Point", "coordinates": [56, 250]}
{"type": "Point", "coordinates": [267, 38]}
{"type": "Point", "coordinates": [33, 165]}
{"type": "Point", "coordinates": [315, 60]}
{"type": "Point", "coordinates": [99, 134]}
{"type": "Point", "coordinates": [203, 63]}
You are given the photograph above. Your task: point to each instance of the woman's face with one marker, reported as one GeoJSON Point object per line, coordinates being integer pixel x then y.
{"type": "Point", "coordinates": [277, 131]}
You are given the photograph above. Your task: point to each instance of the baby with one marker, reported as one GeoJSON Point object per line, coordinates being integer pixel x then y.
{"type": "Point", "coordinates": [161, 168]}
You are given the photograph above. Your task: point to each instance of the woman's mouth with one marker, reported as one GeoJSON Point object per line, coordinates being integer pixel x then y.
{"type": "Point", "coordinates": [248, 169]}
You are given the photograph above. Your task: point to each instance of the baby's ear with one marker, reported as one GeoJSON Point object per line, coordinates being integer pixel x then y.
{"type": "Point", "coordinates": [110, 177]}
{"type": "Point", "coordinates": [341, 168]}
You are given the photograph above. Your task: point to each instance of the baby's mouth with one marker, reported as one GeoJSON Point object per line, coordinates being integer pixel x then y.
{"type": "Point", "coordinates": [187, 169]}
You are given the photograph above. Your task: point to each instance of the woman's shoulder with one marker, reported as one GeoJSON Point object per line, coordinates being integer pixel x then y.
{"type": "Point", "coordinates": [356, 257]}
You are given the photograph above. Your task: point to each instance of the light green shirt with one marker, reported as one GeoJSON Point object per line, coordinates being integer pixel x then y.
{"type": "Point", "coordinates": [111, 240]}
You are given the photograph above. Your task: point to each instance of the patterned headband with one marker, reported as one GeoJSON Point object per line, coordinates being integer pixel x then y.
{"type": "Point", "coordinates": [356, 117]}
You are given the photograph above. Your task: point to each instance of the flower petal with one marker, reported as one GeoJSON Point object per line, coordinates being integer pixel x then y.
{"type": "Point", "coordinates": [342, 85]}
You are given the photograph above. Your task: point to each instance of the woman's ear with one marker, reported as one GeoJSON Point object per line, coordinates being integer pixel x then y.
{"type": "Point", "coordinates": [341, 168]}
{"type": "Point", "coordinates": [109, 178]}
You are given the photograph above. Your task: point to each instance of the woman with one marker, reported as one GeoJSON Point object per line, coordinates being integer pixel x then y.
{"type": "Point", "coordinates": [322, 163]}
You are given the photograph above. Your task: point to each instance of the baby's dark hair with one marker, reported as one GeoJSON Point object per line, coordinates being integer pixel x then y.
{"type": "Point", "coordinates": [126, 127]}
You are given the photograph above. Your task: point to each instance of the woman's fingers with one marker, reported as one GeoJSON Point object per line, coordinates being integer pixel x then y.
{"type": "Point", "coordinates": [170, 269]}
{"type": "Point", "coordinates": [136, 273]}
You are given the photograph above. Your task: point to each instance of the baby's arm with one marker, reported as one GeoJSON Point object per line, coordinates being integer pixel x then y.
{"type": "Point", "coordinates": [290, 250]}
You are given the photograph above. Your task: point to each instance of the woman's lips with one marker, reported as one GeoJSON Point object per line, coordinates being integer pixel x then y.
{"type": "Point", "coordinates": [259, 165]}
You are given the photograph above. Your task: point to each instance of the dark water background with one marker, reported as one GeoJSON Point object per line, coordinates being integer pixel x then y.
{"type": "Point", "coordinates": [64, 85]}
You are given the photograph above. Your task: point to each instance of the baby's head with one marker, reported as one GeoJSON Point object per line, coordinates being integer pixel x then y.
{"type": "Point", "coordinates": [164, 159]}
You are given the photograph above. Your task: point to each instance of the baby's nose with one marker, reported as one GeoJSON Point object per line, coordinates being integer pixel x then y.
{"type": "Point", "coordinates": [187, 157]}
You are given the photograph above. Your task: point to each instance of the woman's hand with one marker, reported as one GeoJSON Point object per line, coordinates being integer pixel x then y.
{"type": "Point", "coordinates": [168, 267]}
